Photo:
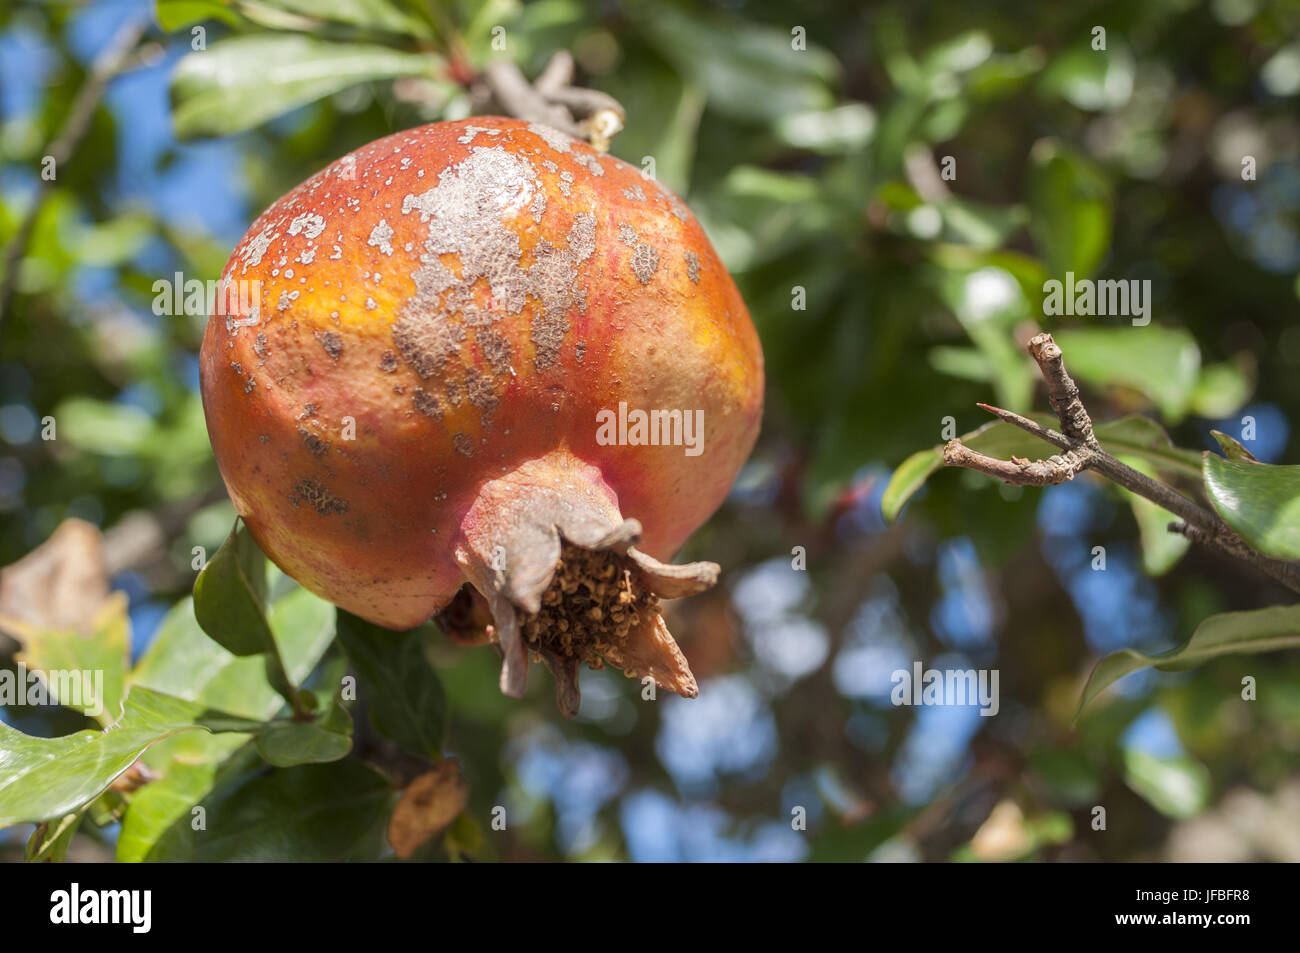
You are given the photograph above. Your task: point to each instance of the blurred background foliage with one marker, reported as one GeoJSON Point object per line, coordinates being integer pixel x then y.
{"type": "Point", "coordinates": [816, 169]}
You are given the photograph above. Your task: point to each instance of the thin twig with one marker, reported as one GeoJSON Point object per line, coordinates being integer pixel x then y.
{"type": "Point", "coordinates": [1084, 452]}
{"type": "Point", "coordinates": [115, 58]}
{"type": "Point", "coordinates": [552, 99]}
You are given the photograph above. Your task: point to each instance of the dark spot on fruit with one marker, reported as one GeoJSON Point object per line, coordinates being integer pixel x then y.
{"type": "Point", "coordinates": [313, 442]}
{"type": "Point", "coordinates": [318, 497]}
{"type": "Point", "coordinates": [332, 342]}
{"type": "Point", "coordinates": [388, 362]}
{"type": "Point", "coordinates": [426, 403]}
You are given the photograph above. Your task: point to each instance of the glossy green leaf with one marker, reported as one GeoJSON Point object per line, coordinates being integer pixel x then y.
{"type": "Point", "coordinates": [44, 778]}
{"type": "Point", "coordinates": [311, 813]}
{"type": "Point", "coordinates": [404, 696]}
{"type": "Point", "coordinates": [1229, 633]}
{"type": "Point", "coordinates": [1260, 501]}
{"type": "Point", "coordinates": [243, 81]}
{"type": "Point", "coordinates": [1232, 448]}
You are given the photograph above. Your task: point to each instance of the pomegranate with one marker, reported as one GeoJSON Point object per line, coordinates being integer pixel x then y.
{"type": "Point", "coordinates": [479, 369]}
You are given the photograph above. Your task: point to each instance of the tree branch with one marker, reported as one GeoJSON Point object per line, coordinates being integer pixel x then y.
{"type": "Point", "coordinates": [1083, 452]}
{"type": "Point", "coordinates": [115, 58]}
{"type": "Point", "coordinates": [552, 99]}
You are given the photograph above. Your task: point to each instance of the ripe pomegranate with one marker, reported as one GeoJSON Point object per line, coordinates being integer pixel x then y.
{"type": "Point", "coordinates": [446, 377]}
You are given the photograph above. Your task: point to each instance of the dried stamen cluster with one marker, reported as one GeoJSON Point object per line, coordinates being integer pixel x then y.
{"type": "Point", "coordinates": [591, 605]}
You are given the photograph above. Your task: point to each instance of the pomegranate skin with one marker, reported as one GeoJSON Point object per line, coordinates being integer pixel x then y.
{"type": "Point", "coordinates": [441, 307]}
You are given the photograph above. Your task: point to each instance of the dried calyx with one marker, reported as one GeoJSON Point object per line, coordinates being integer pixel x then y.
{"type": "Point", "coordinates": [561, 580]}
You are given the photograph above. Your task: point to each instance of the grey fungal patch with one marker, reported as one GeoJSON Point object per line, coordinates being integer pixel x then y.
{"type": "Point", "coordinates": [426, 403]}
{"type": "Point", "coordinates": [582, 236]}
{"type": "Point", "coordinates": [463, 444]}
{"type": "Point", "coordinates": [592, 164]}
{"type": "Point", "coordinates": [557, 140]}
{"type": "Point", "coordinates": [332, 342]}
{"type": "Point", "coordinates": [309, 224]}
{"type": "Point", "coordinates": [566, 183]}
{"type": "Point", "coordinates": [425, 342]}
{"type": "Point", "coordinates": [581, 351]}
{"type": "Point", "coordinates": [480, 392]}
{"type": "Point", "coordinates": [252, 253]}
{"type": "Point", "coordinates": [634, 193]}
{"type": "Point", "coordinates": [381, 237]}
{"type": "Point", "coordinates": [693, 266]}
{"type": "Point", "coordinates": [645, 262]}
{"type": "Point", "coordinates": [467, 214]}
{"type": "Point", "coordinates": [388, 362]}
{"type": "Point", "coordinates": [550, 166]}
{"type": "Point", "coordinates": [316, 495]}
{"type": "Point", "coordinates": [259, 346]}
{"type": "Point", "coordinates": [627, 235]}
{"type": "Point", "coordinates": [313, 442]}
{"type": "Point", "coordinates": [472, 131]}
{"type": "Point", "coordinates": [495, 348]}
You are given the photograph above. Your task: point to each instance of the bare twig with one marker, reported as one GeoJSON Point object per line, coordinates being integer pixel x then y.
{"type": "Point", "coordinates": [552, 99]}
{"type": "Point", "coordinates": [118, 56]}
{"type": "Point", "coordinates": [1083, 452]}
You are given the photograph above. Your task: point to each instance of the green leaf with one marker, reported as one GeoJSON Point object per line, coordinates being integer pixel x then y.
{"type": "Point", "coordinates": [1161, 363]}
{"type": "Point", "coordinates": [1095, 80]}
{"type": "Point", "coordinates": [311, 813]}
{"type": "Point", "coordinates": [184, 662]}
{"type": "Point", "coordinates": [1260, 501]}
{"type": "Point", "coordinates": [1133, 435]}
{"type": "Point", "coordinates": [169, 801]}
{"type": "Point", "coordinates": [174, 14]}
{"type": "Point", "coordinates": [327, 737]}
{"type": "Point", "coordinates": [1161, 549]}
{"type": "Point", "coordinates": [49, 843]}
{"type": "Point", "coordinates": [230, 596]}
{"type": "Point", "coordinates": [1221, 390]}
{"type": "Point", "coordinates": [1229, 633]}
{"type": "Point", "coordinates": [1070, 202]}
{"type": "Point", "coordinates": [731, 59]}
{"type": "Point", "coordinates": [75, 657]}
{"type": "Point", "coordinates": [1178, 787]}
{"type": "Point", "coordinates": [668, 113]}
{"type": "Point", "coordinates": [378, 15]}
{"type": "Point", "coordinates": [230, 601]}
{"type": "Point", "coordinates": [1232, 448]}
{"type": "Point", "coordinates": [45, 778]}
{"type": "Point", "coordinates": [243, 81]}
{"type": "Point", "coordinates": [404, 696]}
